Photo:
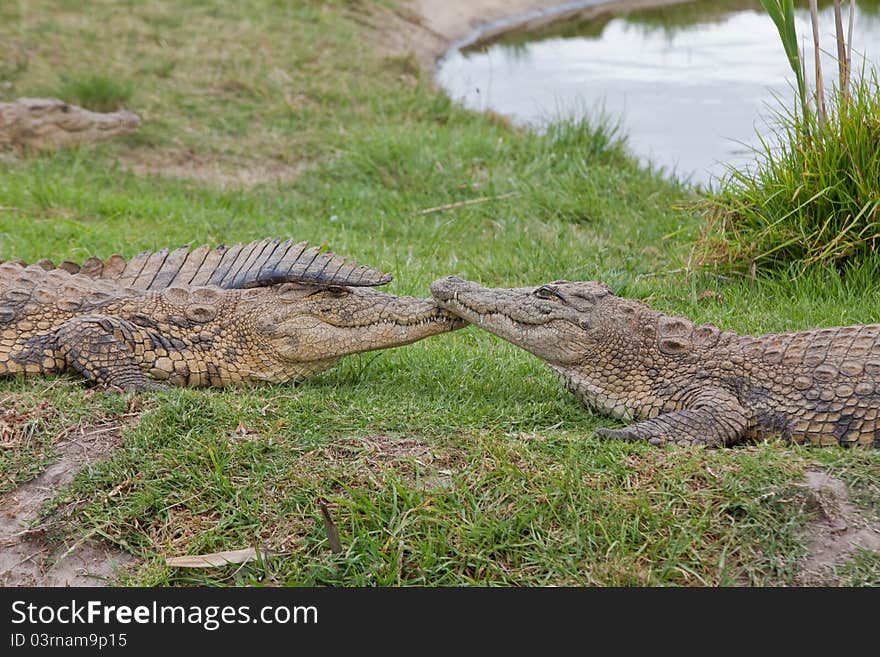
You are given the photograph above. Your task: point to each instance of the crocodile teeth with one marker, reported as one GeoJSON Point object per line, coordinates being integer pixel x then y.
{"type": "Point", "coordinates": [431, 319]}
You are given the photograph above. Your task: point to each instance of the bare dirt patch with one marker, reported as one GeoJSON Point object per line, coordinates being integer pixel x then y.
{"type": "Point", "coordinates": [427, 28]}
{"type": "Point", "coordinates": [222, 173]}
{"type": "Point", "coordinates": [836, 533]}
{"type": "Point", "coordinates": [26, 558]}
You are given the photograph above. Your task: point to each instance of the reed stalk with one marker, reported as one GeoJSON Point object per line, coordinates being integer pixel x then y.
{"type": "Point", "coordinates": [820, 86]}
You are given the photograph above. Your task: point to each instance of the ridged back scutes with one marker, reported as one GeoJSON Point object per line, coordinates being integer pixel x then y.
{"type": "Point", "coordinates": [257, 264]}
{"type": "Point", "coordinates": [29, 287]}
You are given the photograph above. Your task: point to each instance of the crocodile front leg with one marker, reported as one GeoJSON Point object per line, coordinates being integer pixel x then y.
{"type": "Point", "coordinates": [714, 418]}
{"type": "Point", "coordinates": [100, 348]}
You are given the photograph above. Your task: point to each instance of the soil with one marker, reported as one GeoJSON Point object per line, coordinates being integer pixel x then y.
{"type": "Point", "coordinates": [27, 558]}
{"type": "Point", "coordinates": [838, 530]}
{"type": "Point", "coordinates": [222, 173]}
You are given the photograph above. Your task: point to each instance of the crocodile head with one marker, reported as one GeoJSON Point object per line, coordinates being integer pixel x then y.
{"type": "Point", "coordinates": [557, 322]}
{"type": "Point", "coordinates": [307, 323]}
{"type": "Point", "coordinates": [51, 123]}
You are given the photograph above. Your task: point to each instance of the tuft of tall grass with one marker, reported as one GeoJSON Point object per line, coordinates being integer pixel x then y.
{"type": "Point", "coordinates": [96, 92]}
{"type": "Point", "coordinates": [813, 195]}
{"type": "Point", "coordinates": [809, 200]}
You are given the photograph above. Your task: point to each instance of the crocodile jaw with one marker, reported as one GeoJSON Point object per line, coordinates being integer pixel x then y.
{"type": "Point", "coordinates": [513, 314]}
{"type": "Point", "coordinates": [389, 321]}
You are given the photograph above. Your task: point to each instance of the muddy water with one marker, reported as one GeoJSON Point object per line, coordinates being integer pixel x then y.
{"type": "Point", "coordinates": [693, 85]}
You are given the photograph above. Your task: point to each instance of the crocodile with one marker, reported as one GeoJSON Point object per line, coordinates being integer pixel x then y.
{"type": "Point", "coordinates": [682, 382]}
{"type": "Point", "coordinates": [267, 311]}
{"type": "Point", "coordinates": [42, 123]}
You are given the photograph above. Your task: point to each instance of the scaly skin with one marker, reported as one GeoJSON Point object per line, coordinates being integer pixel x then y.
{"type": "Point", "coordinates": [686, 383]}
{"type": "Point", "coordinates": [128, 336]}
{"type": "Point", "coordinates": [41, 123]}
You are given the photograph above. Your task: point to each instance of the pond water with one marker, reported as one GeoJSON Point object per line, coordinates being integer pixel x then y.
{"type": "Point", "coordinates": [691, 84]}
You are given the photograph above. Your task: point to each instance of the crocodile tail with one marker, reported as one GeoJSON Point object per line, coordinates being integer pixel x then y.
{"type": "Point", "coordinates": [257, 264]}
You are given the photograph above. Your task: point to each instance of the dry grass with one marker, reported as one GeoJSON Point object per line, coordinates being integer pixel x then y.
{"type": "Point", "coordinates": [224, 100]}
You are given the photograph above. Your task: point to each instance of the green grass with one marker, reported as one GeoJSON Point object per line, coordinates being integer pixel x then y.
{"type": "Point", "coordinates": [99, 93]}
{"type": "Point", "coordinates": [863, 569]}
{"type": "Point", "coordinates": [456, 460]}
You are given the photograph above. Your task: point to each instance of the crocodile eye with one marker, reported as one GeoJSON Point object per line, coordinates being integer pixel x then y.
{"type": "Point", "coordinates": [328, 292]}
{"type": "Point", "coordinates": [546, 292]}
{"type": "Point", "coordinates": [288, 292]}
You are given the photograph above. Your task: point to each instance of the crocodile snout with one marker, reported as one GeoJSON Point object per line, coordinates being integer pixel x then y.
{"type": "Point", "coordinates": [445, 289]}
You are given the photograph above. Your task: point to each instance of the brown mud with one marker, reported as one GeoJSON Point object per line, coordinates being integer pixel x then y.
{"type": "Point", "coordinates": [27, 556]}
{"type": "Point", "coordinates": [838, 530]}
